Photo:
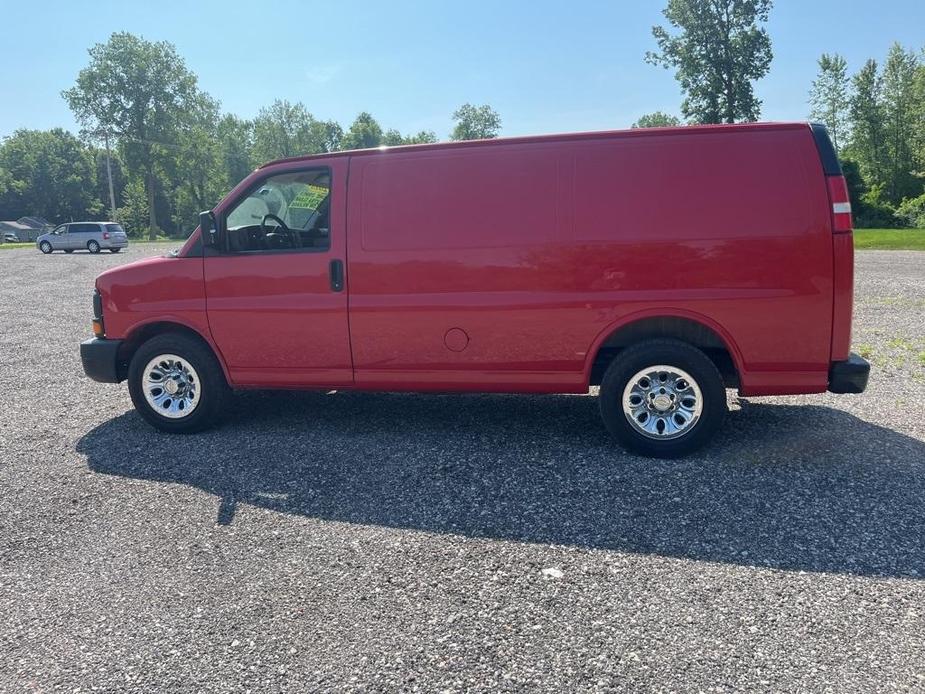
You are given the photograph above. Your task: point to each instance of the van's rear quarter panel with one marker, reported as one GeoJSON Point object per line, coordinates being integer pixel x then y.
{"type": "Point", "coordinates": [538, 251]}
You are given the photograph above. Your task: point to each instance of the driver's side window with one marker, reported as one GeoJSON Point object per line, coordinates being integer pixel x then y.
{"type": "Point", "coordinates": [286, 212]}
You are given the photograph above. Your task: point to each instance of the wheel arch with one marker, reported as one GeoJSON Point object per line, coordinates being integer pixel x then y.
{"type": "Point", "coordinates": [687, 326]}
{"type": "Point", "coordinates": [142, 332]}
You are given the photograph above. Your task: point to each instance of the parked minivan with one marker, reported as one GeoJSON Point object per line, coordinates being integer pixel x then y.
{"type": "Point", "coordinates": [664, 265]}
{"type": "Point", "coordinates": [91, 236]}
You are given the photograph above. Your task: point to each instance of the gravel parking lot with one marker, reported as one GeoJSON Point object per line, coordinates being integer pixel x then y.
{"type": "Point", "coordinates": [386, 542]}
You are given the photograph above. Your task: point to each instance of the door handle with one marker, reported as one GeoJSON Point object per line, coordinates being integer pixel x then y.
{"type": "Point", "coordinates": [336, 275]}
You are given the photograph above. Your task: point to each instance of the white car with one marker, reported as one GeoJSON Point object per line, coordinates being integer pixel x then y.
{"type": "Point", "coordinates": [90, 236]}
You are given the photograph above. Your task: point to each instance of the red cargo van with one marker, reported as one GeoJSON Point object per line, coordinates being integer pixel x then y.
{"type": "Point", "coordinates": [664, 265]}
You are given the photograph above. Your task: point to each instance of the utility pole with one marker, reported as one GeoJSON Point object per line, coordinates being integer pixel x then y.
{"type": "Point", "coordinates": [112, 195]}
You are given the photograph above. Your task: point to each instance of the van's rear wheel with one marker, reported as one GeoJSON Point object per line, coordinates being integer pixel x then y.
{"type": "Point", "coordinates": [93, 246]}
{"type": "Point", "coordinates": [177, 385]}
{"type": "Point", "coordinates": [662, 398]}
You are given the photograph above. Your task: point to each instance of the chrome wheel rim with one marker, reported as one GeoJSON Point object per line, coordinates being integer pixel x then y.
{"type": "Point", "coordinates": [662, 402]}
{"type": "Point", "coordinates": [45, 247]}
{"type": "Point", "coordinates": [171, 386]}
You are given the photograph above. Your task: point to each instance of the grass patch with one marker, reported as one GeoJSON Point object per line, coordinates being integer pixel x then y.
{"type": "Point", "coordinates": [900, 343]}
{"type": "Point", "coordinates": [889, 239]}
{"type": "Point", "coordinates": [896, 353]}
{"type": "Point", "coordinates": [11, 246]}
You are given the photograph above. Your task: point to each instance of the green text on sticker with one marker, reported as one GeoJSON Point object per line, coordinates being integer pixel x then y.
{"type": "Point", "coordinates": [309, 198]}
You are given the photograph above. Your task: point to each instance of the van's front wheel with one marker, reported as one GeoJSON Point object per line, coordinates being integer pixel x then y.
{"type": "Point", "coordinates": [177, 385]}
{"type": "Point", "coordinates": [662, 398]}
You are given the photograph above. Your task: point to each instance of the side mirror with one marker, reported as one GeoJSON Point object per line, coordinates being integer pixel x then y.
{"type": "Point", "coordinates": [207, 228]}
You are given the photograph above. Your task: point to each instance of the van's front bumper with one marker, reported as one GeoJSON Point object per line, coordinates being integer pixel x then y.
{"type": "Point", "coordinates": [100, 359]}
{"type": "Point", "coordinates": [849, 376]}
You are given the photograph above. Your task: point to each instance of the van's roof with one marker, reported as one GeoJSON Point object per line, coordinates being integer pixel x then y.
{"type": "Point", "coordinates": [561, 137]}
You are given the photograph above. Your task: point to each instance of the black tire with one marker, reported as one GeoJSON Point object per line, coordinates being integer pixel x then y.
{"type": "Point", "coordinates": [681, 355]}
{"type": "Point", "coordinates": [68, 250]}
{"type": "Point", "coordinates": [93, 246]}
{"type": "Point", "coordinates": [45, 247]}
{"type": "Point", "coordinates": [214, 394]}
{"type": "Point", "coordinates": [114, 250]}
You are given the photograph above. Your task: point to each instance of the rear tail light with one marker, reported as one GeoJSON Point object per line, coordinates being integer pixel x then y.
{"type": "Point", "coordinates": [841, 204]}
{"type": "Point", "coordinates": [105, 234]}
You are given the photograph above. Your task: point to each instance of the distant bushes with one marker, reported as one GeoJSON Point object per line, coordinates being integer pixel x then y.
{"type": "Point", "coordinates": [911, 212]}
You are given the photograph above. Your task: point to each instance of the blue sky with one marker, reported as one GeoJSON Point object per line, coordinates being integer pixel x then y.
{"type": "Point", "coordinates": [545, 66]}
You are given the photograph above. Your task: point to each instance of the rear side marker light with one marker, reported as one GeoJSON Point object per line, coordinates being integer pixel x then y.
{"type": "Point", "coordinates": [841, 204]}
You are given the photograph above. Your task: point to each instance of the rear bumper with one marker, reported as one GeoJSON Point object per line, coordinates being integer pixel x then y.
{"type": "Point", "coordinates": [849, 376]}
{"type": "Point", "coordinates": [101, 360]}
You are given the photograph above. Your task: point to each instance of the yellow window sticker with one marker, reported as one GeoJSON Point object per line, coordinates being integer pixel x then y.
{"type": "Point", "coordinates": [309, 198]}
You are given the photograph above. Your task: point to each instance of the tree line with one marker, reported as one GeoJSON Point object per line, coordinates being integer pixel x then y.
{"type": "Point", "coordinates": [876, 118]}
{"type": "Point", "coordinates": [175, 152]}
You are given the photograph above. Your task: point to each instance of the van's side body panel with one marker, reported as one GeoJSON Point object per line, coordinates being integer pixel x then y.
{"type": "Point", "coordinates": [537, 252]}
{"type": "Point", "coordinates": [154, 290]}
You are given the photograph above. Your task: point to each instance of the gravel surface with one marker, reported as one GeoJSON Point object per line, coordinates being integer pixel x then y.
{"type": "Point", "coordinates": [407, 542]}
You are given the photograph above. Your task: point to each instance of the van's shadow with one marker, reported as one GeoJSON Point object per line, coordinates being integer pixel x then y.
{"type": "Point", "coordinates": [806, 487]}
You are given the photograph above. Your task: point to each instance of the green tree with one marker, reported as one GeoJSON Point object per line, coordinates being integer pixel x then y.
{"type": "Point", "coordinates": [657, 119]}
{"type": "Point", "coordinates": [6, 189]}
{"type": "Point", "coordinates": [134, 212]}
{"type": "Point", "coordinates": [364, 133]}
{"type": "Point", "coordinates": [900, 114]}
{"type": "Point", "coordinates": [192, 171]}
{"type": "Point", "coordinates": [918, 141]}
{"type": "Point", "coordinates": [865, 113]}
{"type": "Point", "coordinates": [719, 50]}
{"type": "Point", "coordinates": [393, 138]}
{"type": "Point", "coordinates": [285, 129]}
{"type": "Point", "coordinates": [912, 212]}
{"type": "Point", "coordinates": [829, 97]}
{"type": "Point", "coordinates": [475, 123]}
{"type": "Point", "coordinates": [422, 137]}
{"type": "Point", "coordinates": [139, 91]}
{"type": "Point", "coordinates": [236, 143]}
{"type": "Point", "coordinates": [47, 173]}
